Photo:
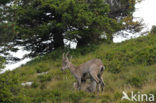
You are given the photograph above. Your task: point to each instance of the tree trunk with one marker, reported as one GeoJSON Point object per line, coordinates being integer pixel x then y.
{"type": "Point", "coordinates": [58, 40]}
{"type": "Point", "coordinates": [81, 42]}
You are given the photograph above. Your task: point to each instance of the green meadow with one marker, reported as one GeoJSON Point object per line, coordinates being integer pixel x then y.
{"type": "Point", "coordinates": [130, 66]}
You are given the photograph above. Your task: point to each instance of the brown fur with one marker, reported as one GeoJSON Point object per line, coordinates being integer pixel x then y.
{"type": "Point", "coordinates": [93, 68]}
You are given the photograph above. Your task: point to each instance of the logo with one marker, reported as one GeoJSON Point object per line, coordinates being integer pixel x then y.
{"type": "Point", "coordinates": [138, 97]}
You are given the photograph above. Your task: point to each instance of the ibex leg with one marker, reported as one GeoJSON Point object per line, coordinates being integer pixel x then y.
{"type": "Point", "coordinates": [79, 83]}
{"type": "Point", "coordinates": [95, 77]}
{"type": "Point", "coordinates": [102, 83]}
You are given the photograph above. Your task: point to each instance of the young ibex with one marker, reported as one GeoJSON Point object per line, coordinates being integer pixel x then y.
{"type": "Point", "coordinates": [92, 67]}
{"type": "Point", "coordinates": [88, 86]}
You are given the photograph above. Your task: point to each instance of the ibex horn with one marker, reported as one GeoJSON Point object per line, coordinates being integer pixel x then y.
{"type": "Point", "coordinates": [67, 54]}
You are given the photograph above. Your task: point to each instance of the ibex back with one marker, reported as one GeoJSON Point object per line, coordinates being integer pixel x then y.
{"type": "Point", "coordinates": [92, 67]}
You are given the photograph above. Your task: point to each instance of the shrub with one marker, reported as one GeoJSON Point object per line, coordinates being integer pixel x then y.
{"type": "Point", "coordinates": [77, 96]}
{"type": "Point", "coordinates": [10, 88]}
{"type": "Point", "coordinates": [55, 96]}
{"type": "Point", "coordinates": [35, 84]}
{"type": "Point", "coordinates": [117, 95]}
{"type": "Point", "coordinates": [153, 30]}
{"type": "Point", "coordinates": [45, 77]}
{"type": "Point", "coordinates": [153, 92]}
{"type": "Point", "coordinates": [106, 99]}
{"type": "Point", "coordinates": [135, 81]}
{"type": "Point", "coordinates": [114, 66]}
{"type": "Point", "coordinates": [41, 68]}
{"type": "Point", "coordinates": [2, 61]}
{"type": "Point", "coordinates": [125, 101]}
{"type": "Point", "coordinates": [39, 97]}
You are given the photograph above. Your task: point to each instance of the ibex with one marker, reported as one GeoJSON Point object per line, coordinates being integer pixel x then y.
{"type": "Point", "coordinates": [92, 67]}
{"type": "Point", "coordinates": [87, 86]}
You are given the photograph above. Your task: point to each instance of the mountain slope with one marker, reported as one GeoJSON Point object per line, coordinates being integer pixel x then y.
{"type": "Point", "coordinates": [130, 66]}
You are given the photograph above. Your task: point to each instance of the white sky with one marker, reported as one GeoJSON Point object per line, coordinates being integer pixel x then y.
{"type": "Point", "coordinates": [144, 10]}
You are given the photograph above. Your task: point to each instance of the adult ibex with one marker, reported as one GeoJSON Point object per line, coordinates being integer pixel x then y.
{"type": "Point", "coordinates": [92, 67]}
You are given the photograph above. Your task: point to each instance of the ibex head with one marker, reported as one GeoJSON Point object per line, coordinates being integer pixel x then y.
{"type": "Point", "coordinates": [65, 61]}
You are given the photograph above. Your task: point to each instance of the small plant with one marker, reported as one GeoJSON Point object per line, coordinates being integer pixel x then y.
{"type": "Point", "coordinates": [106, 99]}
{"type": "Point", "coordinates": [76, 97]}
{"type": "Point", "coordinates": [135, 81]}
{"type": "Point", "coordinates": [117, 95]}
{"type": "Point", "coordinates": [45, 77]}
{"type": "Point", "coordinates": [153, 30]}
{"type": "Point", "coordinates": [41, 68]}
{"type": "Point", "coordinates": [34, 84]}
{"type": "Point", "coordinates": [115, 67]}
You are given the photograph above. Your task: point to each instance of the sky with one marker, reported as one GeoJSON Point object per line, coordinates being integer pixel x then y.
{"type": "Point", "coordinates": [144, 11]}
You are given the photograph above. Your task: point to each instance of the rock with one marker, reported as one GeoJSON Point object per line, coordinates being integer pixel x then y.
{"type": "Point", "coordinates": [42, 73]}
{"type": "Point", "coordinates": [26, 84]}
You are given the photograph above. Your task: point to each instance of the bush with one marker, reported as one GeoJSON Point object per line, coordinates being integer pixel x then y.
{"type": "Point", "coordinates": [153, 30]}
{"type": "Point", "coordinates": [106, 99]}
{"type": "Point", "coordinates": [35, 84]}
{"type": "Point", "coordinates": [55, 96]}
{"type": "Point", "coordinates": [135, 81]}
{"type": "Point", "coordinates": [117, 95]}
{"type": "Point", "coordinates": [2, 61]}
{"type": "Point", "coordinates": [10, 89]}
{"type": "Point", "coordinates": [153, 92]}
{"type": "Point", "coordinates": [45, 77]}
{"type": "Point", "coordinates": [114, 66]}
{"type": "Point", "coordinates": [41, 68]}
{"type": "Point", "coordinates": [40, 97]}
{"type": "Point", "coordinates": [126, 101]}
{"type": "Point", "coordinates": [77, 96]}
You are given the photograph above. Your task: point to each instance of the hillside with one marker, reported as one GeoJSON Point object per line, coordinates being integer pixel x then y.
{"type": "Point", "coordinates": [130, 66]}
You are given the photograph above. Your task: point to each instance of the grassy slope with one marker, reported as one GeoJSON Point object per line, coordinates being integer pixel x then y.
{"type": "Point", "coordinates": [130, 65]}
